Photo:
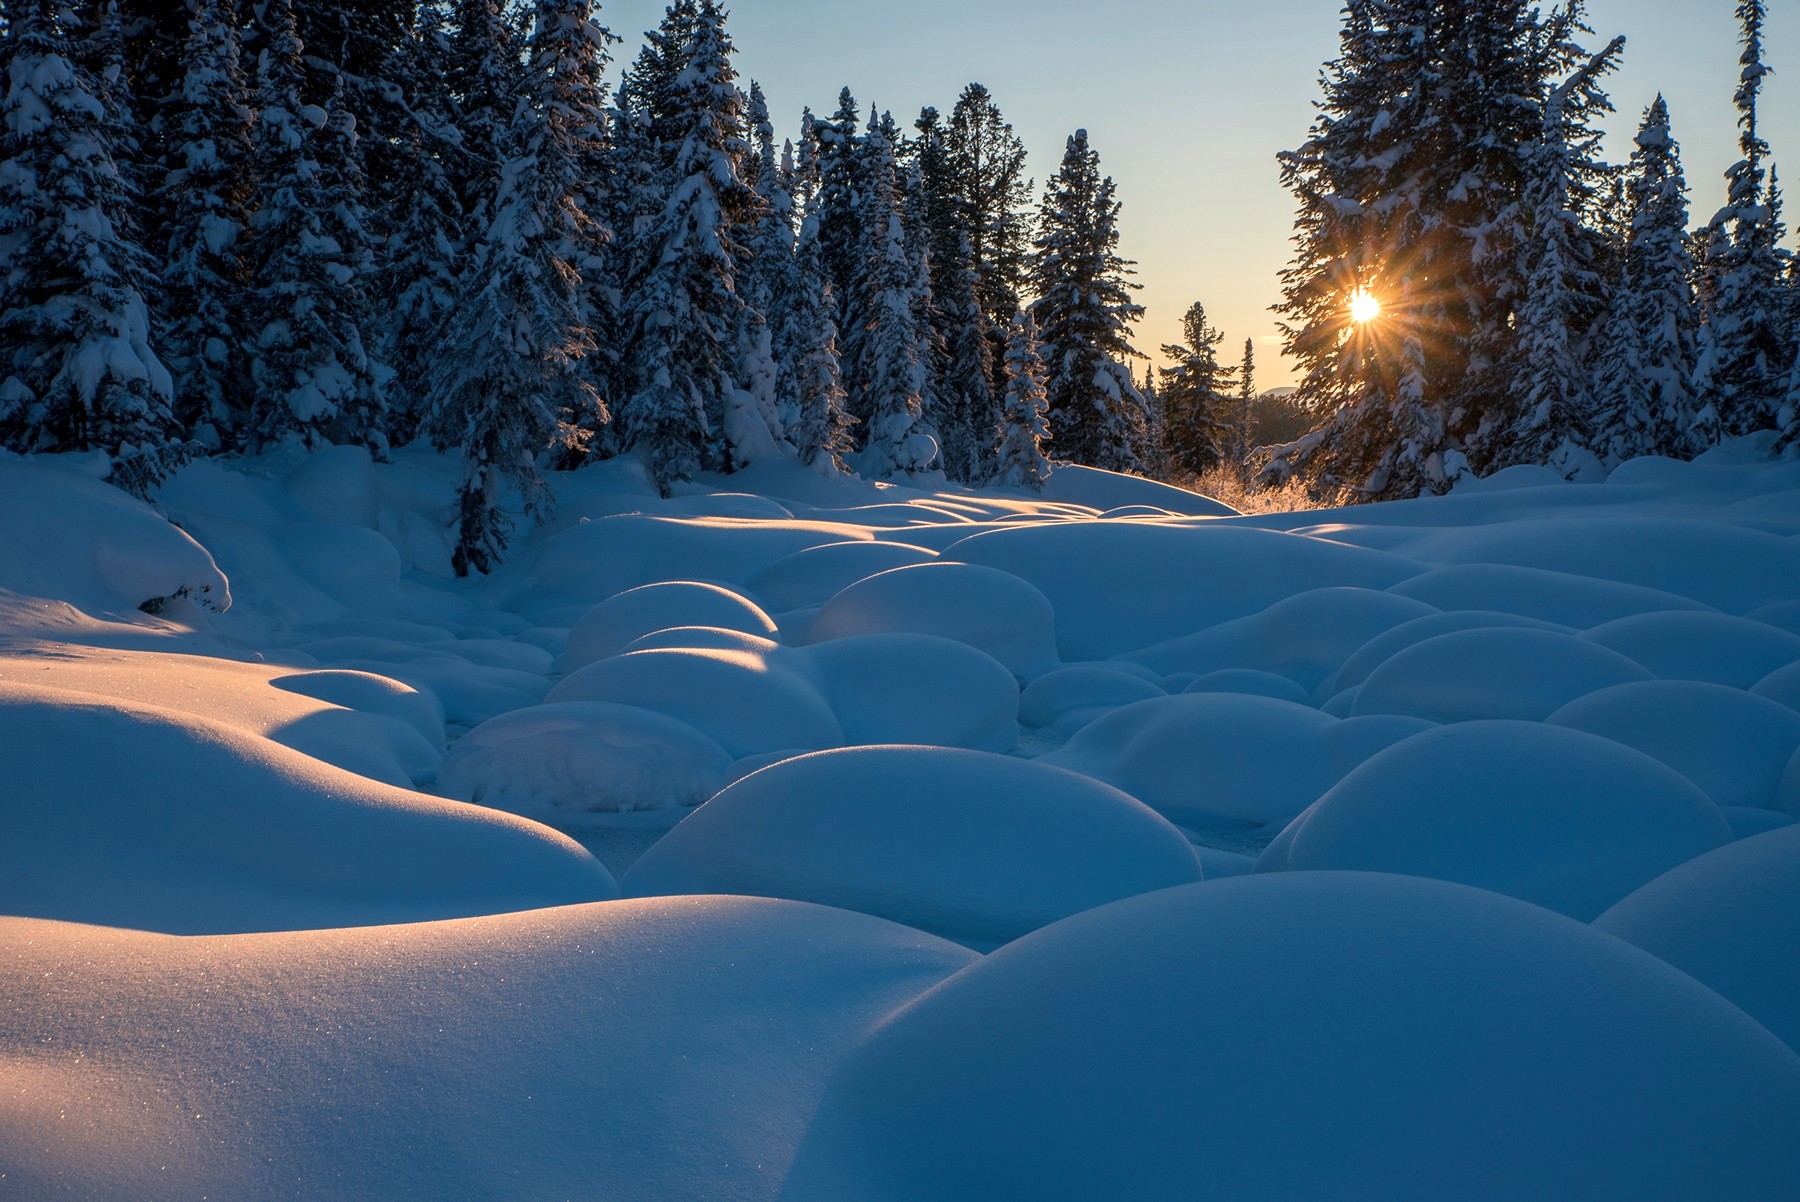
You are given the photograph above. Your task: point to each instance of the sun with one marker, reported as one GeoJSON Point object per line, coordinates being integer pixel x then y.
{"type": "Point", "coordinates": [1364, 308]}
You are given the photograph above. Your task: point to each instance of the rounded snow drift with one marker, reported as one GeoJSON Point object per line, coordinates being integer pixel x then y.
{"type": "Point", "coordinates": [1492, 673]}
{"type": "Point", "coordinates": [1319, 1036]}
{"type": "Point", "coordinates": [971, 847]}
{"type": "Point", "coordinates": [814, 576]}
{"type": "Point", "coordinates": [1730, 920]}
{"type": "Point", "coordinates": [609, 627]}
{"type": "Point", "coordinates": [916, 688]}
{"type": "Point", "coordinates": [1069, 698]}
{"type": "Point", "coordinates": [1568, 821]}
{"type": "Point", "coordinates": [1715, 648]}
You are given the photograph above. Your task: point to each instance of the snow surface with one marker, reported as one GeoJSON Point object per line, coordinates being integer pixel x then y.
{"type": "Point", "coordinates": [255, 715]}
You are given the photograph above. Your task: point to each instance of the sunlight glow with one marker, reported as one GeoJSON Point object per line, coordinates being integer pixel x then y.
{"type": "Point", "coordinates": [1364, 307]}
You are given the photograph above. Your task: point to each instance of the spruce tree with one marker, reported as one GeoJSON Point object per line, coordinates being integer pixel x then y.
{"type": "Point", "coordinates": [206, 197]}
{"type": "Point", "coordinates": [840, 226]}
{"type": "Point", "coordinates": [77, 370]}
{"type": "Point", "coordinates": [990, 195]}
{"type": "Point", "coordinates": [687, 412]}
{"type": "Point", "coordinates": [822, 425]}
{"type": "Point", "coordinates": [314, 379]}
{"type": "Point", "coordinates": [1196, 396]}
{"type": "Point", "coordinates": [1240, 434]}
{"type": "Point", "coordinates": [1025, 429]}
{"type": "Point", "coordinates": [1742, 345]}
{"type": "Point", "coordinates": [512, 385]}
{"type": "Point", "coordinates": [1084, 312]}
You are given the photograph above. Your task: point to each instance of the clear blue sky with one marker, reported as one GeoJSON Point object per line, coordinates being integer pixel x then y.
{"type": "Point", "coordinates": [1188, 102]}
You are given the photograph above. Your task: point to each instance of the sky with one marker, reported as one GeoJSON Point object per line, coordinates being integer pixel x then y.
{"type": "Point", "coordinates": [1189, 101]}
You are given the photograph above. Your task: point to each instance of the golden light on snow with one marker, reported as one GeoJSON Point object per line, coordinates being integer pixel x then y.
{"type": "Point", "coordinates": [1364, 307]}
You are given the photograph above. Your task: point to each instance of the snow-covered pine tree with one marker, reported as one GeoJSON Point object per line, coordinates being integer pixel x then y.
{"type": "Point", "coordinates": [1553, 420]}
{"type": "Point", "coordinates": [840, 225]}
{"type": "Point", "coordinates": [687, 411]}
{"type": "Point", "coordinates": [654, 80]}
{"type": "Point", "coordinates": [1199, 411]}
{"type": "Point", "coordinates": [1657, 396]}
{"type": "Point", "coordinates": [77, 370]}
{"type": "Point", "coordinates": [482, 73]}
{"type": "Point", "coordinates": [313, 377]}
{"type": "Point", "coordinates": [1084, 313]}
{"type": "Point", "coordinates": [205, 197]}
{"type": "Point", "coordinates": [934, 351]}
{"type": "Point", "coordinates": [1026, 428]}
{"type": "Point", "coordinates": [568, 58]}
{"type": "Point", "coordinates": [889, 355]}
{"type": "Point", "coordinates": [822, 426]}
{"type": "Point", "coordinates": [990, 197]}
{"type": "Point", "coordinates": [511, 385]}
{"type": "Point", "coordinates": [1246, 397]}
{"type": "Point", "coordinates": [417, 288]}
{"type": "Point", "coordinates": [1743, 346]}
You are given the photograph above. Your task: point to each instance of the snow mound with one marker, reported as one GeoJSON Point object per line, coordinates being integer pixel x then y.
{"type": "Point", "coordinates": [1732, 744]}
{"type": "Point", "coordinates": [812, 577]}
{"type": "Point", "coordinates": [189, 826]}
{"type": "Point", "coordinates": [1781, 685]}
{"type": "Point", "coordinates": [1068, 699]}
{"type": "Point", "coordinates": [371, 694]}
{"type": "Point", "coordinates": [1210, 758]}
{"type": "Point", "coordinates": [1074, 484]}
{"type": "Point", "coordinates": [1248, 1038]}
{"type": "Point", "coordinates": [1568, 821]}
{"type": "Point", "coordinates": [1304, 637]}
{"type": "Point", "coordinates": [746, 702]}
{"type": "Point", "coordinates": [1699, 646]}
{"type": "Point", "coordinates": [992, 611]}
{"type": "Point", "coordinates": [1492, 673]}
{"type": "Point", "coordinates": [1181, 577]}
{"type": "Point", "coordinates": [72, 538]}
{"type": "Point", "coordinates": [1252, 683]}
{"type": "Point", "coordinates": [1563, 598]}
{"type": "Point", "coordinates": [1730, 920]}
{"type": "Point", "coordinates": [1726, 567]}
{"type": "Point", "coordinates": [975, 848]}
{"type": "Point", "coordinates": [916, 689]}
{"type": "Point", "coordinates": [335, 484]}
{"type": "Point", "coordinates": [609, 627]}
{"type": "Point", "coordinates": [548, 760]}
{"type": "Point", "coordinates": [578, 1052]}
{"type": "Point", "coordinates": [468, 693]}
{"type": "Point", "coordinates": [1378, 650]}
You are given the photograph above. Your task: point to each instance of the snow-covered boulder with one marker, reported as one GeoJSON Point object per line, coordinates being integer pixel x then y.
{"type": "Point", "coordinates": [611, 626]}
{"type": "Point", "coordinates": [1699, 646]}
{"type": "Point", "coordinates": [812, 577]}
{"type": "Point", "coordinates": [1180, 578]}
{"type": "Point", "coordinates": [637, 1051]}
{"type": "Point", "coordinates": [1497, 672]}
{"type": "Point", "coordinates": [1311, 1035]}
{"type": "Point", "coordinates": [1569, 821]}
{"type": "Point", "coordinates": [1730, 920]}
{"type": "Point", "coordinates": [1068, 699]}
{"type": "Point", "coordinates": [1250, 682]}
{"type": "Point", "coordinates": [1377, 651]}
{"type": "Point", "coordinates": [1202, 759]}
{"type": "Point", "coordinates": [1734, 745]}
{"type": "Point", "coordinates": [992, 611]}
{"type": "Point", "coordinates": [133, 816]}
{"type": "Point", "coordinates": [971, 847]}
{"type": "Point", "coordinates": [916, 688]}
{"type": "Point", "coordinates": [583, 756]}
{"type": "Point", "coordinates": [1564, 598]}
{"type": "Point", "coordinates": [70, 537]}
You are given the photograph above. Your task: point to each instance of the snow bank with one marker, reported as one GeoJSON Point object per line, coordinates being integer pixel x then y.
{"type": "Point", "coordinates": [1492, 673]}
{"type": "Point", "coordinates": [1568, 821]}
{"type": "Point", "coordinates": [548, 760]}
{"type": "Point", "coordinates": [1179, 578]}
{"type": "Point", "coordinates": [916, 689]}
{"type": "Point", "coordinates": [1252, 683]}
{"type": "Point", "coordinates": [1564, 598]}
{"type": "Point", "coordinates": [1203, 759]}
{"type": "Point", "coordinates": [611, 626]}
{"type": "Point", "coordinates": [1730, 920]}
{"type": "Point", "coordinates": [133, 816]}
{"type": "Point", "coordinates": [1068, 699]}
{"type": "Point", "coordinates": [1699, 646]}
{"type": "Point", "coordinates": [638, 1051]}
{"type": "Point", "coordinates": [812, 577]}
{"type": "Point", "coordinates": [70, 537]}
{"type": "Point", "coordinates": [1074, 484]}
{"type": "Point", "coordinates": [1331, 1035]}
{"type": "Point", "coordinates": [971, 847]}
{"type": "Point", "coordinates": [992, 611]}
{"type": "Point", "coordinates": [1734, 745]}
{"type": "Point", "coordinates": [1378, 650]}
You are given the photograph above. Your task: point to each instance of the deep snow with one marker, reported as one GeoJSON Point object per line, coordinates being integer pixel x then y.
{"type": "Point", "coordinates": [1444, 733]}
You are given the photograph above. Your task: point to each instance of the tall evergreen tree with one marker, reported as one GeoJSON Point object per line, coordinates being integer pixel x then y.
{"type": "Point", "coordinates": [77, 371]}
{"type": "Point", "coordinates": [1025, 429]}
{"type": "Point", "coordinates": [840, 227]}
{"type": "Point", "coordinates": [206, 196]}
{"type": "Point", "coordinates": [991, 197]}
{"type": "Point", "coordinates": [1246, 397]}
{"type": "Point", "coordinates": [512, 386]}
{"type": "Point", "coordinates": [1085, 313]}
{"type": "Point", "coordinates": [313, 375]}
{"type": "Point", "coordinates": [687, 411]}
{"type": "Point", "coordinates": [1196, 396]}
{"type": "Point", "coordinates": [1742, 345]}
{"type": "Point", "coordinates": [482, 73]}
